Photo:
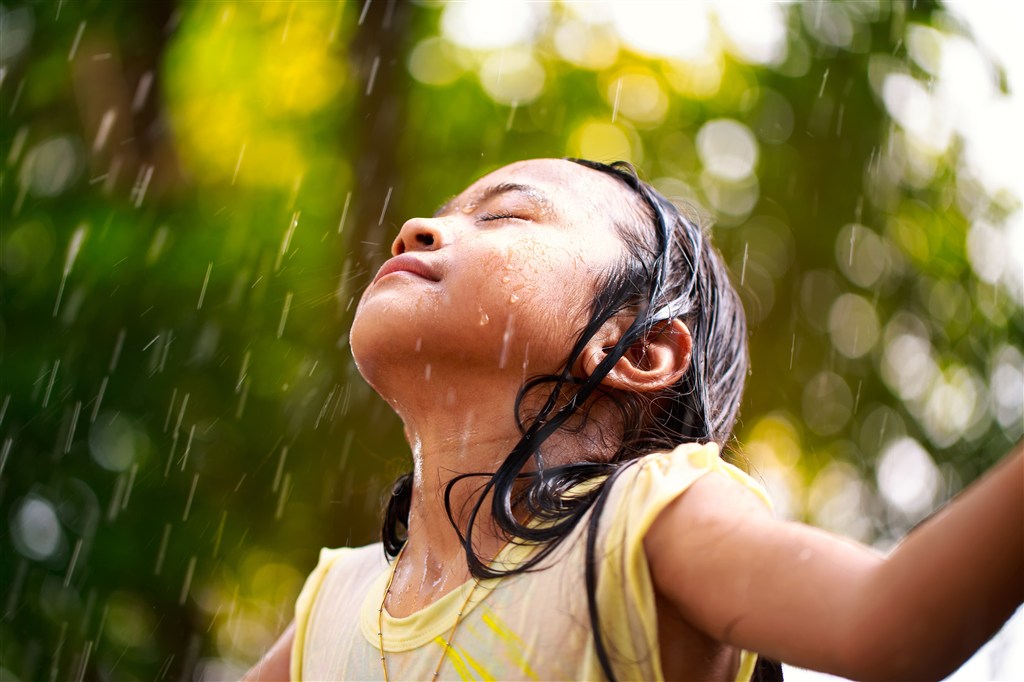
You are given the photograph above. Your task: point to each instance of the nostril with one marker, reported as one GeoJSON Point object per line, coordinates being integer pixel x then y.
{"type": "Point", "coordinates": [425, 239]}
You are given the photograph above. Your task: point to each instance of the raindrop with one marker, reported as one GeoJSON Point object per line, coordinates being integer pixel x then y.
{"type": "Point", "coordinates": [55, 665]}
{"type": "Point", "coordinates": [220, 532]}
{"type": "Point", "coordinates": [373, 75]}
{"type": "Point", "coordinates": [344, 213]}
{"type": "Point", "coordinates": [115, 499]}
{"type": "Point", "coordinates": [284, 314]}
{"type": "Point", "coordinates": [238, 164]}
{"type": "Point", "coordinates": [191, 495]}
{"type": "Point", "coordinates": [74, 560]}
{"type": "Point", "coordinates": [15, 588]}
{"type": "Point", "coordinates": [280, 468]}
{"type": "Point", "coordinates": [142, 91]}
{"type": "Point", "coordinates": [511, 114]}
{"type": "Point", "coordinates": [362, 14]}
{"type": "Point", "coordinates": [618, 93]}
{"type": "Point", "coordinates": [106, 123]}
{"type": "Point", "coordinates": [743, 270]}
{"type": "Point", "coordinates": [131, 483]}
{"type": "Point", "coordinates": [336, 24]}
{"type": "Point", "coordinates": [387, 199]}
{"type": "Point", "coordinates": [49, 385]}
{"type": "Point", "coordinates": [76, 41]}
{"type": "Point", "coordinates": [206, 281]}
{"type": "Point", "coordinates": [162, 552]}
{"type": "Point", "coordinates": [242, 373]}
{"type": "Point", "coordinates": [74, 425]}
{"type": "Point", "coordinates": [188, 446]}
{"type": "Point", "coordinates": [156, 246]}
{"type": "Point", "coordinates": [5, 450]}
{"type": "Point", "coordinates": [10, 112]}
{"type": "Point", "coordinates": [17, 144]}
{"type": "Point", "coordinates": [74, 246]}
{"type": "Point", "coordinates": [824, 79]}
{"type": "Point", "coordinates": [98, 400]}
{"type": "Point", "coordinates": [170, 409]}
{"type": "Point", "coordinates": [181, 413]}
{"type": "Point", "coordinates": [186, 586]}
{"type": "Point", "coordinates": [506, 340]}
{"type": "Point", "coordinates": [84, 661]}
{"type": "Point", "coordinates": [286, 241]}
{"type": "Point", "coordinates": [141, 185]}
{"type": "Point", "coordinates": [242, 400]}
{"type": "Point", "coordinates": [323, 411]}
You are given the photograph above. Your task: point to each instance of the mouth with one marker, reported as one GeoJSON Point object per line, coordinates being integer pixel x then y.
{"type": "Point", "coordinates": [406, 263]}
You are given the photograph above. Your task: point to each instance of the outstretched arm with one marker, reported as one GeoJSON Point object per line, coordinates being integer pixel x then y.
{"type": "Point", "coordinates": [813, 599]}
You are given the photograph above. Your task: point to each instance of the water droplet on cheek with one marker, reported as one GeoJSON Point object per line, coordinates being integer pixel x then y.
{"type": "Point", "coordinates": [506, 279]}
{"type": "Point", "coordinates": [484, 318]}
{"type": "Point", "coordinates": [513, 298]}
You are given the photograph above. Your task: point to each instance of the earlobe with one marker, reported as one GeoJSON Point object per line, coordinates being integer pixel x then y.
{"type": "Point", "coordinates": [652, 364]}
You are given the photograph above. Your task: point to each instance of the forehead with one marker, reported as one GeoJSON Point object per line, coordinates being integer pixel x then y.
{"type": "Point", "coordinates": [567, 189]}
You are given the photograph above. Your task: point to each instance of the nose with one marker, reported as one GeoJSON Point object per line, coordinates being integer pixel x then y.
{"type": "Point", "coordinates": [419, 234]}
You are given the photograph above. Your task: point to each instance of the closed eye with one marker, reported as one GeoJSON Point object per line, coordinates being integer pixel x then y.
{"type": "Point", "coordinates": [499, 216]}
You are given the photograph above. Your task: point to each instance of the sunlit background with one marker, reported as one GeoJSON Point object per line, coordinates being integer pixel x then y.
{"type": "Point", "coordinates": [194, 194]}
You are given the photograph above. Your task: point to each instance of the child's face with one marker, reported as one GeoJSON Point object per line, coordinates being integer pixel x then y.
{"type": "Point", "coordinates": [500, 280]}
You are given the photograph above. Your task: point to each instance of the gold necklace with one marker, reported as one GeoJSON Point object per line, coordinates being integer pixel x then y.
{"type": "Point", "coordinates": [380, 621]}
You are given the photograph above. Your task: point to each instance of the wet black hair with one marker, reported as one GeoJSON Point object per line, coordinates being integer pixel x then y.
{"type": "Point", "coordinates": [669, 272]}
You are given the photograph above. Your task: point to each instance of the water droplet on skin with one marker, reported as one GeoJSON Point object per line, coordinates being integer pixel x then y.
{"type": "Point", "coordinates": [513, 298]}
{"type": "Point", "coordinates": [484, 318]}
{"type": "Point", "coordinates": [419, 345]}
{"type": "Point", "coordinates": [506, 279]}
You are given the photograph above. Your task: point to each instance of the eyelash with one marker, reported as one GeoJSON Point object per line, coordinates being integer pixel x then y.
{"type": "Point", "coordinates": [499, 216]}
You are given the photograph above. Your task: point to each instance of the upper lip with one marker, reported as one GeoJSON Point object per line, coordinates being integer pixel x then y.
{"type": "Point", "coordinates": [406, 262]}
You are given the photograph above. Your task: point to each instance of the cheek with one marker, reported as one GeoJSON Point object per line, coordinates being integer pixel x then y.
{"type": "Point", "coordinates": [540, 295]}
{"type": "Point", "coordinates": [547, 274]}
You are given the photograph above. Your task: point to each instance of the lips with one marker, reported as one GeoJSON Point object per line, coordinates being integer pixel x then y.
{"type": "Point", "coordinates": [406, 262]}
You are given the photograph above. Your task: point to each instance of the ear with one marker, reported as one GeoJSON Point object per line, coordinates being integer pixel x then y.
{"type": "Point", "coordinates": [655, 362]}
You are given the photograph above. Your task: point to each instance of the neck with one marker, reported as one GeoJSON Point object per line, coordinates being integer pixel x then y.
{"type": "Point", "coordinates": [458, 421]}
{"type": "Point", "coordinates": [459, 434]}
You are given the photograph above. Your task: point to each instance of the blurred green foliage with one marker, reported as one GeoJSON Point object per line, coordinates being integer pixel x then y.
{"type": "Point", "coordinates": [194, 193]}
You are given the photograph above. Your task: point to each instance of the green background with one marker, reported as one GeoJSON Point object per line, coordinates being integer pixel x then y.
{"type": "Point", "coordinates": [195, 193]}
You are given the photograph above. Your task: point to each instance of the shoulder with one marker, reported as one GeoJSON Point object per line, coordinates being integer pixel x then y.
{"type": "Point", "coordinates": [648, 485]}
{"type": "Point", "coordinates": [336, 567]}
{"type": "Point", "coordinates": [346, 564]}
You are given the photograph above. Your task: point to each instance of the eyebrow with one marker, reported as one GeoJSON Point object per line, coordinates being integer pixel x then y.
{"type": "Point", "coordinates": [537, 196]}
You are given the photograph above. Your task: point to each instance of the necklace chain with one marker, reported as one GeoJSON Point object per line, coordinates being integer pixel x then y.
{"type": "Point", "coordinates": [380, 621]}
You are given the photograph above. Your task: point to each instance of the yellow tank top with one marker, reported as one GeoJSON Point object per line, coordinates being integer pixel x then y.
{"type": "Point", "coordinates": [533, 626]}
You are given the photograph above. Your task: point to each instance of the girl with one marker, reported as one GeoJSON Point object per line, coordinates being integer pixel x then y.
{"type": "Point", "coordinates": [567, 355]}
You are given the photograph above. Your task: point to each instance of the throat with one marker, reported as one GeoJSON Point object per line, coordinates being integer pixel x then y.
{"type": "Point", "coordinates": [419, 582]}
